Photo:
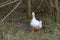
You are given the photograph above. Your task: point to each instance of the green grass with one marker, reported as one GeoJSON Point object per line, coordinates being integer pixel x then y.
{"type": "Point", "coordinates": [15, 31]}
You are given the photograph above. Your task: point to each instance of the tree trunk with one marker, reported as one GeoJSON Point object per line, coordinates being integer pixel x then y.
{"type": "Point", "coordinates": [56, 6]}
{"type": "Point", "coordinates": [29, 8]}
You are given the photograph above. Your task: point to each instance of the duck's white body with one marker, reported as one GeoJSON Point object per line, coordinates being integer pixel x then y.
{"type": "Point", "coordinates": [35, 23]}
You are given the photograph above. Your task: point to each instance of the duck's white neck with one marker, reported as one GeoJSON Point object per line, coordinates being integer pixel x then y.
{"type": "Point", "coordinates": [33, 17]}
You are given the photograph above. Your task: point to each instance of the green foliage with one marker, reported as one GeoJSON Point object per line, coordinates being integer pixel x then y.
{"type": "Point", "coordinates": [19, 33]}
{"type": "Point", "coordinates": [1, 15]}
{"type": "Point", "coordinates": [1, 35]}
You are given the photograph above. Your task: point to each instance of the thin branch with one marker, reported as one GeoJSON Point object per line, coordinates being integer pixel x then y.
{"type": "Point", "coordinates": [47, 3]}
{"type": "Point", "coordinates": [5, 2]}
{"type": "Point", "coordinates": [8, 3]}
{"type": "Point", "coordinates": [11, 11]}
{"type": "Point", "coordinates": [51, 3]}
{"type": "Point", "coordinates": [40, 4]}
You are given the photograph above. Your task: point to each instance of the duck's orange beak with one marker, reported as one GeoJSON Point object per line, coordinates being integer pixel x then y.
{"type": "Point", "coordinates": [33, 14]}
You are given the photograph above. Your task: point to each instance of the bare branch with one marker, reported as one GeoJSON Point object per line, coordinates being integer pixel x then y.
{"type": "Point", "coordinates": [11, 11]}
{"type": "Point", "coordinates": [8, 3]}
{"type": "Point", "coordinates": [5, 2]}
{"type": "Point", "coordinates": [40, 4]}
{"type": "Point", "coordinates": [51, 3]}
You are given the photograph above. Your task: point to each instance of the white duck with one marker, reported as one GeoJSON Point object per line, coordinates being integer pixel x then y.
{"type": "Point", "coordinates": [35, 24]}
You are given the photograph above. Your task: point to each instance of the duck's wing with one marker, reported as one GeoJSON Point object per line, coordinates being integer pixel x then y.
{"type": "Point", "coordinates": [40, 24]}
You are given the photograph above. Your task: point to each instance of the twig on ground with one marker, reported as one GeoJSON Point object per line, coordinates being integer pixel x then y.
{"type": "Point", "coordinates": [11, 11]}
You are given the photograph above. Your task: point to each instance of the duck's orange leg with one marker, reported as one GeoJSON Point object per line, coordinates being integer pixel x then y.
{"type": "Point", "coordinates": [32, 30]}
{"type": "Point", "coordinates": [39, 30]}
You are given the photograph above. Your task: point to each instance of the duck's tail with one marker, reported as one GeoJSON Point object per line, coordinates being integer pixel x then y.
{"type": "Point", "coordinates": [40, 26]}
